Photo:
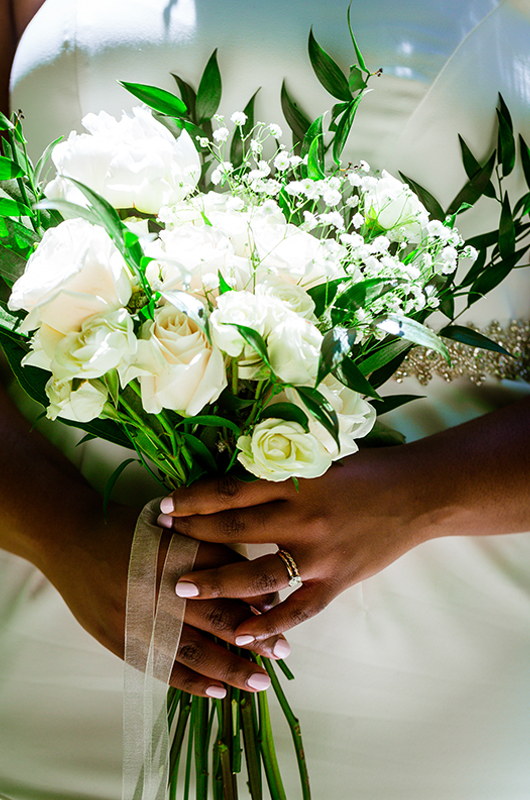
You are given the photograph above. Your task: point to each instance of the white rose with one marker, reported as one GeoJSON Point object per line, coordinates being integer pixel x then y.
{"type": "Point", "coordinates": [292, 296]}
{"type": "Point", "coordinates": [242, 308]}
{"type": "Point", "coordinates": [105, 342]}
{"type": "Point", "coordinates": [75, 272]}
{"type": "Point", "coordinates": [391, 204]}
{"type": "Point", "coordinates": [294, 350]}
{"type": "Point", "coordinates": [82, 404]}
{"type": "Point", "coordinates": [133, 163]}
{"type": "Point", "coordinates": [278, 450]}
{"type": "Point", "coordinates": [178, 367]}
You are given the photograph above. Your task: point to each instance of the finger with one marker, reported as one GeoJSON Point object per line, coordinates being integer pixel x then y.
{"type": "Point", "coordinates": [203, 656]}
{"type": "Point", "coordinates": [300, 606]}
{"type": "Point", "coordinates": [241, 580]}
{"type": "Point", "coordinates": [219, 494]}
{"type": "Point", "coordinates": [222, 617]}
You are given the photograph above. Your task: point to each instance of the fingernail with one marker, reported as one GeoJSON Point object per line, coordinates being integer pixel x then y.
{"type": "Point", "coordinates": [216, 691]}
{"type": "Point", "coordinates": [243, 640]}
{"type": "Point", "coordinates": [259, 681]}
{"type": "Point", "coordinates": [167, 505]}
{"type": "Point", "coordinates": [186, 589]}
{"type": "Point", "coordinates": [164, 521]}
{"type": "Point", "coordinates": [282, 648]}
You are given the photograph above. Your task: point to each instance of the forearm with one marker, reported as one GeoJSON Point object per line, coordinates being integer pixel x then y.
{"type": "Point", "coordinates": [472, 479]}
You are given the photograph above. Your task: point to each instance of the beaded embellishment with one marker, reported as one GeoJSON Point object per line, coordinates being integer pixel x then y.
{"type": "Point", "coordinates": [473, 362]}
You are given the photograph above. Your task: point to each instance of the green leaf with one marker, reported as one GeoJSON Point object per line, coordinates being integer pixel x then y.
{"type": "Point", "coordinates": [490, 278]}
{"type": "Point", "coordinates": [474, 188]}
{"type": "Point", "coordinates": [209, 91]}
{"type": "Point", "coordinates": [431, 203]}
{"type": "Point", "coordinates": [525, 159]}
{"type": "Point", "coordinates": [345, 125]}
{"type": "Point", "coordinates": [459, 333]}
{"type": "Point", "coordinates": [5, 123]}
{"type": "Point", "coordinates": [296, 119]}
{"type": "Point", "coordinates": [393, 401]}
{"type": "Point", "coordinates": [476, 269]}
{"type": "Point", "coordinates": [361, 294]}
{"type": "Point", "coordinates": [506, 230]}
{"type": "Point", "coordinates": [157, 99]}
{"type": "Point", "coordinates": [324, 294]}
{"type": "Point", "coordinates": [200, 450]}
{"type": "Point", "coordinates": [360, 59]}
{"type": "Point", "coordinates": [412, 331]}
{"type": "Point", "coordinates": [383, 356]}
{"type": "Point", "coordinates": [286, 411]}
{"type": "Point", "coordinates": [383, 374]}
{"type": "Point", "coordinates": [327, 71]}
{"type": "Point", "coordinates": [472, 166]}
{"type": "Point", "coordinates": [315, 161]}
{"type": "Point", "coordinates": [356, 81]}
{"type": "Point", "coordinates": [351, 376]}
{"type": "Point", "coordinates": [522, 206]}
{"type": "Point", "coordinates": [223, 285]}
{"type": "Point", "coordinates": [70, 210]}
{"type": "Point", "coordinates": [254, 339]}
{"type": "Point", "coordinates": [483, 240]}
{"type": "Point", "coordinates": [336, 111]}
{"type": "Point", "coordinates": [12, 208]}
{"type": "Point", "coordinates": [382, 436]}
{"type": "Point", "coordinates": [43, 160]}
{"type": "Point", "coordinates": [112, 482]}
{"type": "Point", "coordinates": [194, 131]}
{"type": "Point", "coordinates": [336, 345]}
{"type": "Point", "coordinates": [8, 320]}
{"type": "Point", "coordinates": [505, 139]}
{"type": "Point", "coordinates": [210, 421]}
{"type": "Point", "coordinates": [236, 148]}
{"type": "Point", "coordinates": [447, 306]}
{"type": "Point", "coordinates": [315, 131]}
{"type": "Point", "coordinates": [189, 96]}
{"type": "Point", "coordinates": [321, 409]}
{"type": "Point", "coordinates": [9, 169]}
{"type": "Point", "coordinates": [12, 264]}
{"type": "Point", "coordinates": [188, 304]}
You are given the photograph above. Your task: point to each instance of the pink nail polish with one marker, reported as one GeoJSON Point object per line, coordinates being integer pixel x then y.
{"type": "Point", "coordinates": [259, 681]}
{"type": "Point", "coordinates": [216, 691]}
{"type": "Point", "coordinates": [167, 505]}
{"type": "Point", "coordinates": [186, 589]}
{"type": "Point", "coordinates": [243, 640]}
{"type": "Point", "coordinates": [164, 521]}
{"type": "Point", "coordinates": [281, 649]}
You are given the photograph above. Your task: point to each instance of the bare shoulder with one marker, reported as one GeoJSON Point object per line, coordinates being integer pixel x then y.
{"type": "Point", "coordinates": [22, 12]}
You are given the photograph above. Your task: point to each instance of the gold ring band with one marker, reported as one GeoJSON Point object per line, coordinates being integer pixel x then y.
{"type": "Point", "coordinates": [290, 566]}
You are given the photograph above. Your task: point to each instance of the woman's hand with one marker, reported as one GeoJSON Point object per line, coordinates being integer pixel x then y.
{"type": "Point", "coordinates": [359, 517]}
{"type": "Point", "coordinates": [90, 571]}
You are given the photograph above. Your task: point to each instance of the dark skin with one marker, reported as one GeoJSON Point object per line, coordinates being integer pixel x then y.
{"type": "Point", "coordinates": [62, 531]}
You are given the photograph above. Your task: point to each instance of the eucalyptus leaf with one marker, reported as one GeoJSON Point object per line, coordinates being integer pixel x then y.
{"type": "Point", "coordinates": [327, 71]}
{"type": "Point", "coordinates": [474, 188]}
{"type": "Point", "coordinates": [158, 99]}
{"type": "Point", "coordinates": [459, 333]}
{"type": "Point", "coordinates": [286, 411]}
{"type": "Point", "coordinates": [295, 117]}
{"type": "Point", "coordinates": [209, 91]}
{"type": "Point", "coordinates": [412, 331]}
{"type": "Point", "coordinates": [431, 203]}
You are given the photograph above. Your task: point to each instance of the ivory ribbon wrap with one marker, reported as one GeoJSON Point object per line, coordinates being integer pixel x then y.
{"type": "Point", "coordinates": [152, 635]}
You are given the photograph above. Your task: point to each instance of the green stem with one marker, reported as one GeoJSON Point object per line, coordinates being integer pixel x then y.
{"type": "Point", "coordinates": [294, 725]}
{"type": "Point", "coordinates": [176, 745]}
{"type": "Point", "coordinates": [200, 714]}
{"type": "Point", "coordinates": [188, 761]}
{"type": "Point", "coordinates": [250, 743]}
{"type": "Point", "coordinates": [268, 751]}
{"type": "Point", "coordinates": [236, 731]}
{"type": "Point", "coordinates": [234, 376]}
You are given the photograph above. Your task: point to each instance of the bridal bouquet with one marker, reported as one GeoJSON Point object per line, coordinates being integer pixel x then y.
{"type": "Point", "coordinates": [191, 287]}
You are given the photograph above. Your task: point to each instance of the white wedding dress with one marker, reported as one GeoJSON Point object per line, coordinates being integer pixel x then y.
{"type": "Point", "coordinates": [414, 685]}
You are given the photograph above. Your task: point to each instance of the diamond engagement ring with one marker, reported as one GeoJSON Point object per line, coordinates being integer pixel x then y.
{"type": "Point", "coordinates": [290, 566]}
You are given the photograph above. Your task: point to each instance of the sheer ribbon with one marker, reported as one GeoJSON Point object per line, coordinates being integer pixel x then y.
{"type": "Point", "coordinates": [152, 635]}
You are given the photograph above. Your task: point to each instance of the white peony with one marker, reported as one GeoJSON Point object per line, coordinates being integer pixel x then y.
{"type": "Point", "coordinates": [75, 272]}
{"type": "Point", "coordinates": [392, 205]}
{"type": "Point", "coordinates": [278, 450]}
{"type": "Point", "coordinates": [134, 162]}
{"type": "Point", "coordinates": [81, 404]}
{"type": "Point", "coordinates": [178, 367]}
{"type": "Point", "coordinates": [294, 350]}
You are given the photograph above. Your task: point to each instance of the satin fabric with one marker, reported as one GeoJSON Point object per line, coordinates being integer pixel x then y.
{"type": "Point", "coordinates": [413, 684]}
